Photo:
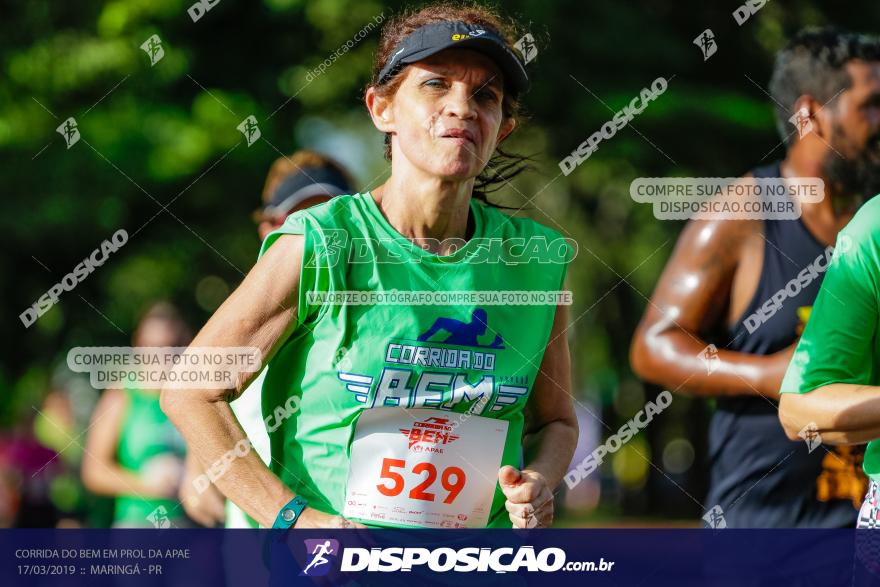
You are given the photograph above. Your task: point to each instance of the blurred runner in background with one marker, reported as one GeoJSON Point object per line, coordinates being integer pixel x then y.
{"type": "Point", "coordinates": [132, 450]}
{"type": "Point", "coordinates": [723, 281]}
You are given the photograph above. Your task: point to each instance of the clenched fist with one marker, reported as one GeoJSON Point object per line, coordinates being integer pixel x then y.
{"type": "Point", "coordinates": [529, 499]}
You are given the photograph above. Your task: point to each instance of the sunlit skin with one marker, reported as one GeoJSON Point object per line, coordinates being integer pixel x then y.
{"type": "Point", "coordinates": [716, 265]}
{"type": "Point", "coordinates": [445, 121]}
{"type": "Point", "coordinates": [455, 92]}
{"type": "Point", "coordinates": [208, 507]}
{"type": "Point", "coordinates": [844, 413]}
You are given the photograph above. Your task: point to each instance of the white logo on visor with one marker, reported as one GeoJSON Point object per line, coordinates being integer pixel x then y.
{"type": "Point", "coordinates": [393, 57]}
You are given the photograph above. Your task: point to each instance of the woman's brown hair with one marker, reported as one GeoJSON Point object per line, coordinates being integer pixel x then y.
{"type": "Point", "coordinates": [503, 166]}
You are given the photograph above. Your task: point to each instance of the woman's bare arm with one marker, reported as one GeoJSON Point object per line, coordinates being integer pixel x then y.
{"type": "Point", "coordinates": [841, 413]}
{"type": "Point", "coordinates": [202, 501]}
{"type": "Point", "coordinates": [549, 436]}
{"type": "Point", "coordinates": [551, 430]}
{"type": "Point", "coordinates": [260, 313]}
{"type": "Point", "coordinates": [101, 473]}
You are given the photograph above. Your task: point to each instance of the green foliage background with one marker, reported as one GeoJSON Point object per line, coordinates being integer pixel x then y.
{"type": "Point", "coordinates": [161, 157]}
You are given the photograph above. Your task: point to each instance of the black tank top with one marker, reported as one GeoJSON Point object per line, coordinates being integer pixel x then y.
{"type": "Point", "coordinates": [758, 476]}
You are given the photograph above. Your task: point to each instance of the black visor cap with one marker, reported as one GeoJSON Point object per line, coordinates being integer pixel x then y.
{"type": "Point", "coordinates": [433, 38]}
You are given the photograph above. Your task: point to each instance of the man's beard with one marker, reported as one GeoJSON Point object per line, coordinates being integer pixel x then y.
{"type": "Point", "coordinates": [857, 177]}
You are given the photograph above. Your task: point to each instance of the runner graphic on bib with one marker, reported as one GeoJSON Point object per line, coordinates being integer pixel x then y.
{"type": "Point", "coordinates": [413, 464]}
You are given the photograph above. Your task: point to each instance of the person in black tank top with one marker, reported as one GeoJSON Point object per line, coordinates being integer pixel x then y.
{"type": "Point", "coordinates": [758, 476]}
{"type": "Point", "coordinates": [728, 310]}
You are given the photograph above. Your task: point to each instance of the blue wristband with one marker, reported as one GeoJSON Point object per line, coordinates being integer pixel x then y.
{"type": "Point", "coordinates": [290, 513]}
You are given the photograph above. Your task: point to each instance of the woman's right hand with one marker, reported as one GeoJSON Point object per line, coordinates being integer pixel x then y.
{"type": "Point", "coordinates": [312, 518]}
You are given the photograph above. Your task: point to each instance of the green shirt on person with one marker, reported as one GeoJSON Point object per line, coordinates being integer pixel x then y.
{"type": "Point", "coordinates": [840, 343]}
{"type": "Point", "coordinates": [344, 359]}
{"type": "Point", "coordinates": [146, 435]}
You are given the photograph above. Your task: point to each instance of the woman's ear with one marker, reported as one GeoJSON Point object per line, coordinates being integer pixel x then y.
{"type": "Point", "coordinates": [380, 110]}
{"type": "Point", "coordinates": [507, 126]}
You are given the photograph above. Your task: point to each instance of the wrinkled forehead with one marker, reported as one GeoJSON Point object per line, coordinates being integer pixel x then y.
{"type": "Point", "coordinates": [463, 64]}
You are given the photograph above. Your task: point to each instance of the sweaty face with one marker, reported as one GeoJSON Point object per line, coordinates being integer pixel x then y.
{"type": "Point", "coordinates": [447, 113]}
{"type": "Point", "coordinates": [853, 165]}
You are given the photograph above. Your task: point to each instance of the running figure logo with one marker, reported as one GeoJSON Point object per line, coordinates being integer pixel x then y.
{"type": "Point", "coordinates": [153, 48]}
{"type": "Point", "coordinates": [329, 249]}
{"type": "Point", "coordinates": [249, 128]}
{"type": "Point", "coordinates": [70, 131]}
{"type": "Point", "coordinates": [706, 42]}
{"type": "Point", "coordinates": [463, 333]}
{"type": "Point", "coordinates": [319, 549]}
{"type": "Point", "coordinates": [802, 121]}
{"type": "Point", "coordinates": [527, 46]}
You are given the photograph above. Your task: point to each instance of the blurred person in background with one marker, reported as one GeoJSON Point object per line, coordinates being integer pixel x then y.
{"type": "Point", "coordinates": [56, 427]}
{"type": "Point", "coordinates": [59, 423]}
{"type": "Point", "coordinates": [831, 388]}
{"type": "Point", "coordinates": [132, 451]}
{"type": "Point", "coordinates": [27, 470]}
{"type": "Point", "coordinates": [722, 274]}
{"type": "Point", "coordinates": [40, 461]}
{"type": "Point", "coordinates": [300, 181]}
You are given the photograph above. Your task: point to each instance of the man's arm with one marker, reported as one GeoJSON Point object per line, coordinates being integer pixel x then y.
{"type": "Point", "coordinates": [693, 290]}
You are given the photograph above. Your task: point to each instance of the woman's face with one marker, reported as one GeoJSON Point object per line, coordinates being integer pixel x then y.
{"type": "Point", "coordinates": [446, 117]}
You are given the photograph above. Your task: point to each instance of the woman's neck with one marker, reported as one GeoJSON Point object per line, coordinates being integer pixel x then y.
{"type": "Point", "coordinates": [425, 208]}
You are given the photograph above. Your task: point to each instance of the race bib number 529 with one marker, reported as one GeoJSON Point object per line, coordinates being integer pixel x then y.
{"type": "Point", "coordinates": [424, 468]}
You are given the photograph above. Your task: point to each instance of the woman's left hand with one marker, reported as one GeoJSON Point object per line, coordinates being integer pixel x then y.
{"type": "Point", "coordinates": [529, 499]}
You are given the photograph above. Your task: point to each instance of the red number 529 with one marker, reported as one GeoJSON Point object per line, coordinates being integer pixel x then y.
{"type": "Point", "coordinates": [452, 479]}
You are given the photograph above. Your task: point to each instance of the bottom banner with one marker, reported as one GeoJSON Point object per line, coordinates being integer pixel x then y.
{"type": "Point", "coordinates": [439, 557]}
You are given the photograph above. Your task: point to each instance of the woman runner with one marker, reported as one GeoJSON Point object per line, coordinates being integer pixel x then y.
{"type": "Point", "coordinates": [449, 410]}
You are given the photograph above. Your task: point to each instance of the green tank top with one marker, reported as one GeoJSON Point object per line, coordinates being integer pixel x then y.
{"type": "Point", "coordinates": [146, 434]}
{"type": "Point", "coordinates": [344, 359]}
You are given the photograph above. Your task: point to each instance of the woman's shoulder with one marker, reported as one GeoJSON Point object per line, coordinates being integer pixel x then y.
{"type": "Point", "coordinates": [334, 213]}
{"type": "Point", "coordinates": [319, 223]}
{"type": "Point", "coordinates": [538, 240]}
{"type": "Point", "coordinates": [114, 403]}
{"type": "Point", "coordinates": [865, 224]}
{"type": "Point", "coordinates": [501, 223]}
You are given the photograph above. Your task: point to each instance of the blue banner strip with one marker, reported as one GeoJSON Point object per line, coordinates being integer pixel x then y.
{"type": "Point", "coordinates": [250, 558]}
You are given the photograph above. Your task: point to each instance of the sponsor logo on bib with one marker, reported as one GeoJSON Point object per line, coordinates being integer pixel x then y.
{"type": "Point", "coordinates": [431, 431]}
